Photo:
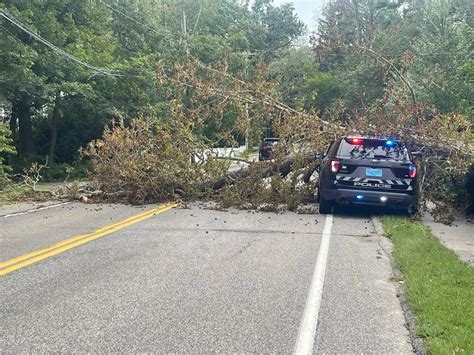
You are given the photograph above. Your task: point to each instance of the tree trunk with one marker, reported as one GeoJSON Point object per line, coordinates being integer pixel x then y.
{"type": "Point", "coordinates": [21, 111]}
{"type": "Point", "coordinates": [284, 168]}
{"type": "Point", "coordinates": [54, 128]}
{"type": "Point", "coordinates": [13, 125]}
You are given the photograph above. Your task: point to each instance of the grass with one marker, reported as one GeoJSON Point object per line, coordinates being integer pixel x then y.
{"type": "Point", "coordinates": [439, 287]}
{"type": "Point", "coordinates": [12, 193]}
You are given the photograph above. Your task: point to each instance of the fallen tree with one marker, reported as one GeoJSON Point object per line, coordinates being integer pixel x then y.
{"type": "Point", "coordinates": [153, 159]}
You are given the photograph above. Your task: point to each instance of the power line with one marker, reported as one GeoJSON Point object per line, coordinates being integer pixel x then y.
{"type": "Point", "coordinates": [56, 49]}
{"type": "Point", "coordinates": [202, 65]}
{"type": "Point", "coordinates": [118, 11]}
{"type": "Point", "coordinates": [114, 9]}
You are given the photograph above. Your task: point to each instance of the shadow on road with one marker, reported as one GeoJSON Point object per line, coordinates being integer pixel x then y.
{"type": "Point", "coordinates": [367, 211]}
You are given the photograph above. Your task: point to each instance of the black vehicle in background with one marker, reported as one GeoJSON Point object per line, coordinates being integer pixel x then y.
{"type": "Point", "coordinates": [266, 148]}
{"type": "Point", "coordinates": [368, 171]}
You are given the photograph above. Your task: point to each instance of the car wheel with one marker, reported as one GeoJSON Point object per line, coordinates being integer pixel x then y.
{"type": "Point", "coordinates": [412, 209]}
{"type": "Point", "coordinates": [325, 206]}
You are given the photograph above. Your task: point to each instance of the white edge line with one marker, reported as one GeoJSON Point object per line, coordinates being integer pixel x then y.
{"type": "Point", "coordinates": [309, 322]}
{"type": "Point", "coordinates": [35, 210]}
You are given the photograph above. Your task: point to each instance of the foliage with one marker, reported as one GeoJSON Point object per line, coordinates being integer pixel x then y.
{"type": "Point", "coordinates": [424, 47]}
{"type": "Point", "coordinates": [201, 94]}
{"type": "Point", "coordinates": [441, 53]}
{"type": "Point", "coordinates": [406, 73]}
{"type": "Point", "coordinates": [5, 148]}
{"type": "Point", "coordinates": [222, 73]}
{"type": "Point", "coordinates": [439, 287]}
{"type": "Point", "coordinates": [150, 161]}
{"type": "Point", "coordinates": [13, 193]}
{"type": "Point", "coordinates": [61, 172]}
{"type": "Point", "coordinates": [58, 105]}
{"type": "Point", "coordinates": [301, 84]}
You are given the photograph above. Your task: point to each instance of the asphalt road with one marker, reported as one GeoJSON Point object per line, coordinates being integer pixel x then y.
{"type": "Point", "coordinates": [197, 280]}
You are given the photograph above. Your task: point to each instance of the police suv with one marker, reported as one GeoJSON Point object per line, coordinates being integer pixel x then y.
{"type": "Point", "coordinates": [368, 171]}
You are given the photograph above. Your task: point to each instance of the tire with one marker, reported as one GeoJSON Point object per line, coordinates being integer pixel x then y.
{"type": "Point", "coordinates": [412, 210]}
{"type": "Point", "coordinates": [325, 206]}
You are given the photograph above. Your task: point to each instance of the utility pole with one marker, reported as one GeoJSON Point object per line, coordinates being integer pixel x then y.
{"type": "Point", "coordinates": [247, 114]}
{"type": "Point", "coordinates": [247, 131]}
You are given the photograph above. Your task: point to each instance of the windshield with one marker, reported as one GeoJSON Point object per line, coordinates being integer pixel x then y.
{"type": "Point", "coordinates": [373, 149]}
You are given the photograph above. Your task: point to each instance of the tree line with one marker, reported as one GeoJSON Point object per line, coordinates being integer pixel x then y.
{"type": "Point", "coordinates": [69, 68]}
{"type": "Point", "coordinates": [55, 105]}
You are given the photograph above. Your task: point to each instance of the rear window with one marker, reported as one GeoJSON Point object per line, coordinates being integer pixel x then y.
{"type": "Point", "coordinates": [372, 149]}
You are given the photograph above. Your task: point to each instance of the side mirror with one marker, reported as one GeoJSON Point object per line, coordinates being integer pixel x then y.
{"type": "Point", "coordinates": [319, 156]}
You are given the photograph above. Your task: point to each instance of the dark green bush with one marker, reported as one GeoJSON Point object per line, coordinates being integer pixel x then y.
{"type": "Point", "coordinates": [51, 172]}
{"type": "Point", "coordinates": [5, 148]}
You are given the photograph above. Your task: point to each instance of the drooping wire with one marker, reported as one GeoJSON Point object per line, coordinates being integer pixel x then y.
{"type": "Point", "coordinates": [56, 49]}
{"type": "Point", "coordinates": [115, 9]}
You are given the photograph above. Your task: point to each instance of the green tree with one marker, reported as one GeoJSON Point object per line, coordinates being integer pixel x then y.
{"type": "Point", "coordinates": [302, 84]}
{"type": "Point", "coordinates": [442, 50]}
{"type": "Point", "coordinates": [59, 104]}
{"type": "Point", "coordinates": [6, 148]}
{"type": "Point", "coordinates": [423, 48]}
{"type": "Point", "coordinates": [48, 79]}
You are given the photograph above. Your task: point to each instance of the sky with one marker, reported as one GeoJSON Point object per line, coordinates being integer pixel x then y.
{"type": "Point", "coordinates": [306, 10]}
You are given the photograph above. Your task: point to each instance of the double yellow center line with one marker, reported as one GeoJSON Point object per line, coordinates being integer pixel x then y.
{"type": "Point", "coordinates": [27, 259]}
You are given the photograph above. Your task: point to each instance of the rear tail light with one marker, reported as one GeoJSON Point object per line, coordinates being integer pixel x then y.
{"type": "Point", "coordinates": [412, 171]}
{"type": "Point", "coordinates": [335, 166]}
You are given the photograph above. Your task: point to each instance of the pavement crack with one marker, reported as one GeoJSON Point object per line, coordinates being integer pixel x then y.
{"type": "Point", "coordinates": [244, 248]}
